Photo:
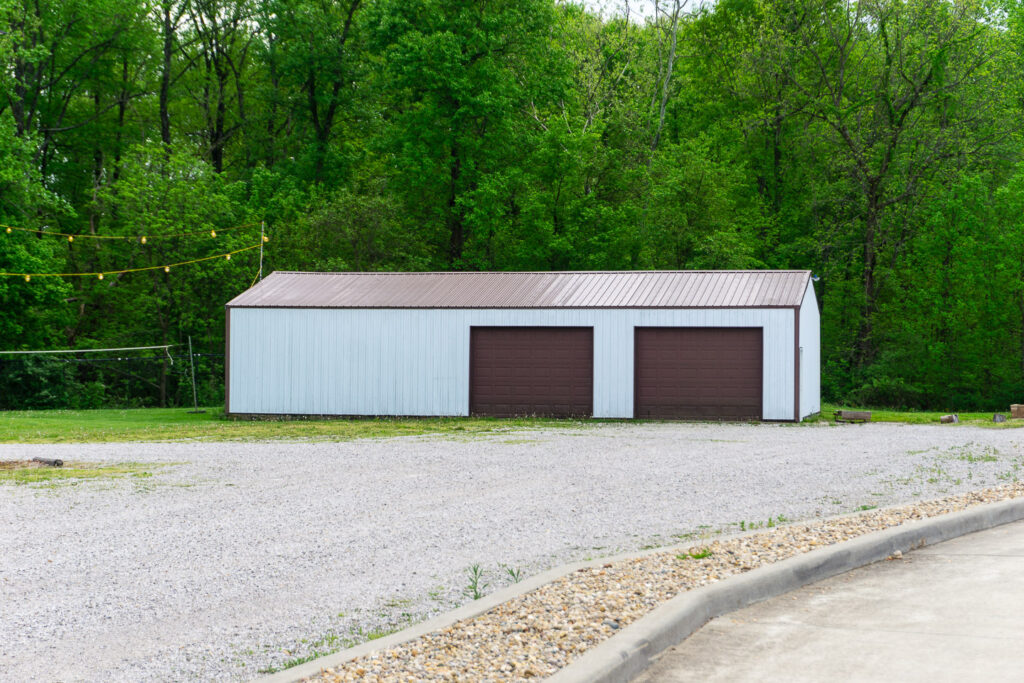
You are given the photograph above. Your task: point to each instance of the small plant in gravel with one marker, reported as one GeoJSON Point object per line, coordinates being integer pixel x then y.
{"type": "Point", "coordinates": [476, 584]}
{"type": "Point", "coordinates": [695, 555]}
{"type": "Point", "coordinates": [515, 574]}
{"type": "Point", "coordinates": [329, 643]}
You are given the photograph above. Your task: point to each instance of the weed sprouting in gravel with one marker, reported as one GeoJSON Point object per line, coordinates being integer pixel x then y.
{"type": "Point", "coordinates": [515, 574]}
{"type": "Point", "coordinates": [695, 555]}
{"type": "Point", "coordinates": [476, 584]}
{"type": "Point", "coordinates": [770, 523]}
{"type": "Point", "coordinates": [326, 644]}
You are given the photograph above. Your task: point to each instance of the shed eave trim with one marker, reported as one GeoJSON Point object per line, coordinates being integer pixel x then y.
{"type": "Point", "coordinates": [516, 308]}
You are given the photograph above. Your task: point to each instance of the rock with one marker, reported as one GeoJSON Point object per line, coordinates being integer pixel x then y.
{"type": "Point", "coordinates": [999, 417]}
{"type": "Point", "coordinates": [949, 419]}
{"type": "Point", "coordinates": [611, 623]}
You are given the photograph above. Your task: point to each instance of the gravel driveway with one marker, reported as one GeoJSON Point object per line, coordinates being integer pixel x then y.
{"type": "Point", "coordinates": [235, 557]}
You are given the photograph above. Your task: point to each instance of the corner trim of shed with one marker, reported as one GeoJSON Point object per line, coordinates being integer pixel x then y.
{"type": "Point", "coordinates": [227, 360]}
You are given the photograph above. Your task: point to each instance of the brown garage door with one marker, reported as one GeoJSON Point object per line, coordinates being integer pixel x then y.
{"type": "Point", "coordinates": [704, 373]}
{"type": "Point", "coordinates": [531, 371]}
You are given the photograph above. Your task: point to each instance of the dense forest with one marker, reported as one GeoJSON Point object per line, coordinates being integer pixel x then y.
{"type": "Point", "coordinates": [877, 143]}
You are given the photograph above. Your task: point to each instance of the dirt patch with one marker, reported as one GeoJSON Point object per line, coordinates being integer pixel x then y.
{"type": "Point", "coordinates": [20, 464]}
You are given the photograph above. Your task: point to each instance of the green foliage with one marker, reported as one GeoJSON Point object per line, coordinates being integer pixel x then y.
{"type": "Point", "coordinates": [877, 144]}
{"type": "Point", "coordinates": [476, 584]}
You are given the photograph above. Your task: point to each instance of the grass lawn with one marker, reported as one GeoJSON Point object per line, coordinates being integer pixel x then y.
{"type": "Point", "coordinates": [919, 417]}
{"type": "Point", "coordinates": [171, 424]}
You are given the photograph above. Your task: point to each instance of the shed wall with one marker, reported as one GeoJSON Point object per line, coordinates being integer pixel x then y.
{"type": "Point", "coordinates": [810, 342]}
{"type": "Point", "coordinates": [416, 361]}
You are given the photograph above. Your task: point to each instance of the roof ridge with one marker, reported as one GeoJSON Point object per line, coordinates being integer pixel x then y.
{"type": "Point", "coordinates": [530, 289]}
{"type": "Point", "coordinates": [529, 272]}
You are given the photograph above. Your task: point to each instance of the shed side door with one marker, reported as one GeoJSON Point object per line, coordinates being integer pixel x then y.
{"type": "Point", "coordinates": [698, 373]}
{"type": "Point", "coordinates": [531, 371]}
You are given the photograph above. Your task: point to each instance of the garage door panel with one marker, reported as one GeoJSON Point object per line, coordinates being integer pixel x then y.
{"type": "Point", "coordinates": [698, 373]}
{"type": "Point", "coordinates": [531, 371]}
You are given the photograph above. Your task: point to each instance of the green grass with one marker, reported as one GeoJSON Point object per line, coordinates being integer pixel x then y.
{"type": "Point", "coordinates": [330, 643]}
{"type": "Point", "coordinates": [32, 473]}
{"type": "Point", "coordinates": [919, 416]}
{"type": "Point", "coordinates": [172, 424]}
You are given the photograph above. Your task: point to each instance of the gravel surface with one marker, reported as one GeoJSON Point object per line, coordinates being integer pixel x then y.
{"type": "Point", "coordinates": [536, 634]}
{"type": "Point", "coordinates": [235, 557]}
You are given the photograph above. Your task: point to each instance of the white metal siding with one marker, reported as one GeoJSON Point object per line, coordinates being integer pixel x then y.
{"type": "Point", "coordinates": [416, 362]}
{"type": "Point", "coordinates": [810, 342]}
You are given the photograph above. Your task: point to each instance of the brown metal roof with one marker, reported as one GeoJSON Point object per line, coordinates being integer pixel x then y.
{"type": "Point", "coordinates": [586, 289]}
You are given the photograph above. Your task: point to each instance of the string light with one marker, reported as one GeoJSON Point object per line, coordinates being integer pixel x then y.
{"type": "Point", "coordinates": [71, 236]}
{"type": "Point", "coordinates": [166, 268]}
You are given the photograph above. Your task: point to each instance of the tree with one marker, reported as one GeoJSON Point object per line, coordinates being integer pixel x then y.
{"type": "Point", "coordinates": [463, 76]}
{"type": "Point", "coordinates": [897, 90]}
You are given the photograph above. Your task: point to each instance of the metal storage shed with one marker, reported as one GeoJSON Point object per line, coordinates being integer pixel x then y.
{"type": "Point", "coordinates": [647, 344]}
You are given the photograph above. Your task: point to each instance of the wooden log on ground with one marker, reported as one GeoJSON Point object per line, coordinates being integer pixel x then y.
{"type": "Point", "coordinates": [949, 419]}
{"type": "Point", "coordinates": [853, 416]}
{"type": "Point", "coordinates": [52, 462]}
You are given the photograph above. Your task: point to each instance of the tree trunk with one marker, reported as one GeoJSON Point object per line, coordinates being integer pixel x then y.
{"type": "Point", "coordinates": [677, 7]}
{"type": "Point", "coordinates": [455, 228]}
{"type": "Point", "coordinates": [865, 344]}
{"type": "Point", "coordinates": [165, 78]}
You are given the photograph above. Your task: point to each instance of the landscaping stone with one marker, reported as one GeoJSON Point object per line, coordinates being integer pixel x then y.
{"type": "Point", "coordinates": [566, 617]}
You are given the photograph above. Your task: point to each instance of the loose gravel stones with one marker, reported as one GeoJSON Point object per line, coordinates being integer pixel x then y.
{"type": "Point", "coordinates": [536, 634]}
{"type": "Point", "coordinates": [237, 557]}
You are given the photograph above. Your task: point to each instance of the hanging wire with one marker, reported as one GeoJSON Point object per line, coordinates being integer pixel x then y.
{"type": "Point", "coordinates": [122, 348]}
{"type": "Point", "coordinates": [71, 237]}
{"type": "Point", "coordinates": [167, 267]}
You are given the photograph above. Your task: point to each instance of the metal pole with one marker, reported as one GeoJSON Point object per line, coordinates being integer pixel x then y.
{"type": "Point", "coordinates": [191, 360]}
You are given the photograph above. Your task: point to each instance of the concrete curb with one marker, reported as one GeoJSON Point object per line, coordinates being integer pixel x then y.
{"type": "Point", "coordinates": [633, 649]}
{"type": "Point", "coordinates": [628, 653]}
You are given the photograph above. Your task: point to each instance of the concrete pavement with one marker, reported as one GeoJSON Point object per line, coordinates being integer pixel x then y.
{"type": "Point", "coordinates": [949, 612]}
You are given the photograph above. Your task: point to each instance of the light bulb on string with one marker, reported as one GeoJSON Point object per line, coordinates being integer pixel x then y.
{"type": "Point", "coordinates": [266, 239]}
{"type": "Point", "coordinates": [71, 238]}
{"type": "Point", "coordinates": [99, 275]}
{"type": "Point", "coordinates": [8, 231]}
{"type": "Point", "coordinates": [213, 233]}
{"type": "Point", "coordinates": [227, 256]}
{"type": "Point", "coordinates": [167, 269]}
{"type": "Point", "coordinates": [143, 240]}
{"type": "Point", "coordinates": [28, 278]}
